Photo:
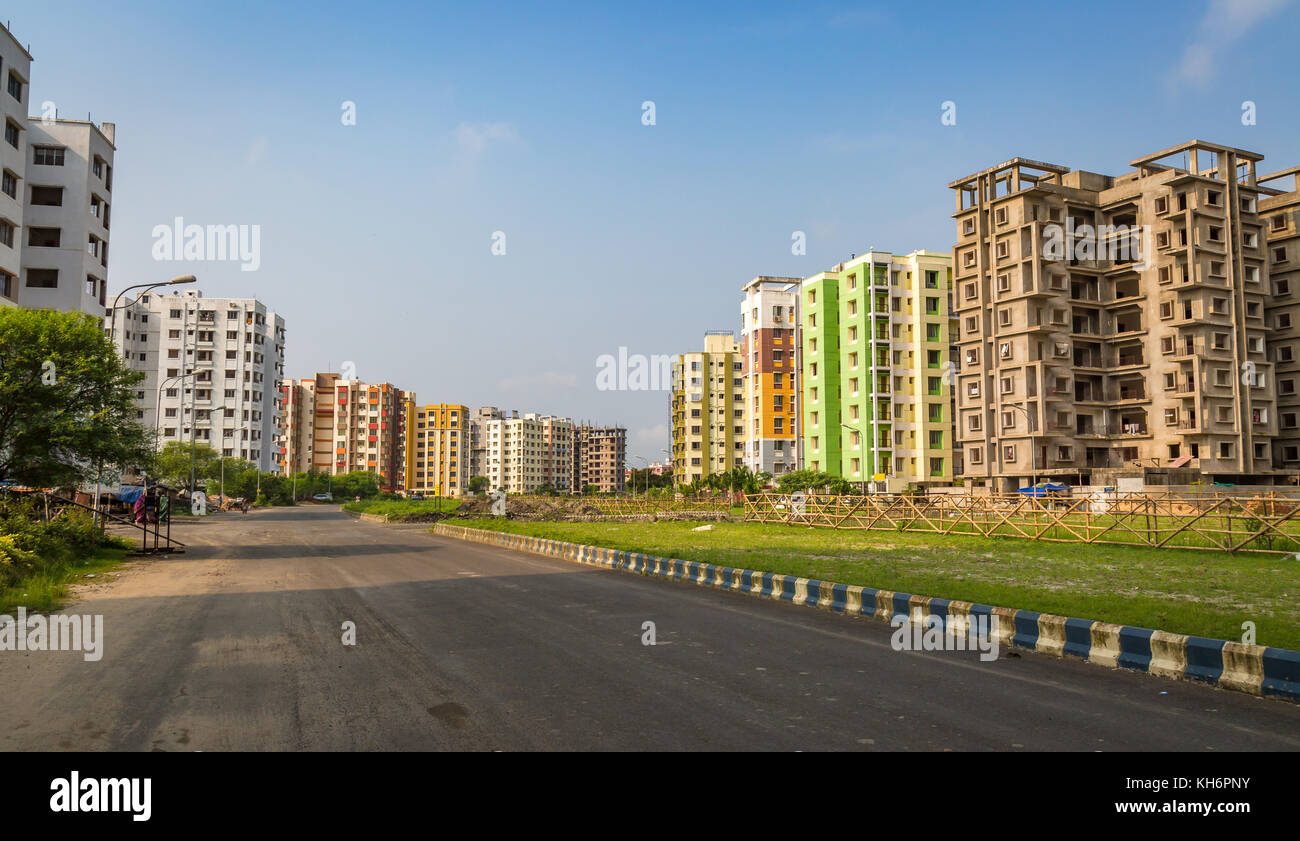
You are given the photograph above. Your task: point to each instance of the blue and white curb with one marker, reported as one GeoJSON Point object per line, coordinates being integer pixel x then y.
{"type": "Point", "coordinates": [1256, 669]}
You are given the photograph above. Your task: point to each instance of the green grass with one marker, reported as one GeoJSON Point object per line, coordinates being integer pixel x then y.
{"type": "Point", "coordinates": [1189, 591]}
{"type": "Point", "coordinates": [399, 509]}
{"type": "Point", "coordinates": [47, 589]}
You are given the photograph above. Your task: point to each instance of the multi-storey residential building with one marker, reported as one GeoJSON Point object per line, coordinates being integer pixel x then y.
{"type": "Point", "coordinates": [708, 409]}
{"type": "Point", "coordinates": [770, 349]}
{"type": "Point", "coordinates": [1279, 211]}
{"type": "Point", "coordinates": [599, 456]}
{"type": "Point", "coordinates": [56, 182]}
{"type": "Point", "coordinates": [211, 367]}
{"type": "Point", "coordinates": [528, 453]}
{"type": "Point", "coordinates": [15, 68]}
{"type": "Point", "coordinates": [1115, 327]}
{"type": "Point", "coordinates": [876, 370]}
{"type": "Point", "coordinates": [333, 425]}
{"type": "Point", "coordinates": [69, 192]}
{"type": "Point", "coordinates": [438, 449]}
{"type": "Point", "coordinates": [478, 439]}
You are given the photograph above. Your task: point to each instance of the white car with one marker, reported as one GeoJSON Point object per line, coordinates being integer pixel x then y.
{"type": "Point", "coordinates": [325, 497]}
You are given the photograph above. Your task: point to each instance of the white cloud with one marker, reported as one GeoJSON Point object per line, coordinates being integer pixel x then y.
{"type": "Point", "coordinates": [1224, 23]}
{"type": "Point", "coordinates": [474, 138]}
{"type": "Point", "coordinates": [257, 150]}
{"type": "Point", "coordinates": [546, 379]}
{"type": "Point", "coordinates": [648, 441]}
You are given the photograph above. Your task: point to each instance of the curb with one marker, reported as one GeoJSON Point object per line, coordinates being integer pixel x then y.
{"type": "Point", "coordinates": [1254, 669]}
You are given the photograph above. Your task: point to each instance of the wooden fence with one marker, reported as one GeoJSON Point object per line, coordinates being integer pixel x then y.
{"type": "Point", "coordinates": [1230, 524]}
{"type": "Point", "coordinates": [630, 505]}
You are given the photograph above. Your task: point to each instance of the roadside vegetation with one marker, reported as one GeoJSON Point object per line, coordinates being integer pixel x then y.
{"type": "Point", "coordinates": [40, 560]}
{"type": "Point", "coordinates": [399, 510]}
{"type": "Point", "coordinates": [1195, 592]}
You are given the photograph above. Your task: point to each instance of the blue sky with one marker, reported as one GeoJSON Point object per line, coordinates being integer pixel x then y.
{"type": "Point", "coordinates": [770, 118]}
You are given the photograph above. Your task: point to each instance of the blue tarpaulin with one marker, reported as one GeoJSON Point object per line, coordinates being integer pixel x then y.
{"type": "Point", "coordinates": [1043, 489]}
{"type": "Point", "coordinates": [129, 495]}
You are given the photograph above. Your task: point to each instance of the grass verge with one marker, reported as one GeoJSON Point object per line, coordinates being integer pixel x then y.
{"type": "Point", "coordinates": [47, 590]}
{"type": "Point", "coordinates": [1186, 591]}
{"type": "Point", "coordinates": [398, 510]}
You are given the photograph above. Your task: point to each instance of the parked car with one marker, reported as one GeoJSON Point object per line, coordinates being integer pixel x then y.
{"type": "Point", "coordinates": [324, 497]}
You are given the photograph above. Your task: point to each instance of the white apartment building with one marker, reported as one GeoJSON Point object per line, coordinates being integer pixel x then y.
{"type": "Point", "coordinates": [68, 193]}
{"type": "Point", "coordinates": [529, 452]}
{"type": "Point", "coordinates": [15, 69]}
{"type": "Point", "coordinates": [211, 365]}
{"type": "Point", "coordinates": [56, 183]}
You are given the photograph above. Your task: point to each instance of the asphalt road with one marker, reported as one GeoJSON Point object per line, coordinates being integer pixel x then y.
{"type": "Point", "coordinates": [237, 645]}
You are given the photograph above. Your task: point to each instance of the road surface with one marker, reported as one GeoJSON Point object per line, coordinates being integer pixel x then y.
{"type": "Point", "coordinates": [237, 645]}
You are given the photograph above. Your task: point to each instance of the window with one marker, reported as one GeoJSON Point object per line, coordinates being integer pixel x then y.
{"type": "Point", "coordinates": [1004, 317]}
{"type": "Point", "coordinates": [15, 86]}
{"type": "Point", "coordinates": [973, 423]}
{"type": "Point", "coordinates": [49, 196]}
{"type": "Point", "coordinates": [47, 155]}
{"type": "Point", "coordinates": [1009, 453]}
{"type": "Point", "coordinates": [44, 237]}
{"type": "Point", "coordinates": [43, 278]}
{"type": "Point", "coordinates": [9, 184]}
{"type": "Point", "coordinates": [6, 233]}
{"type": "Point", "coordinates": [11, 133]}
{"type": "Point", "coordinates": [975, 455]}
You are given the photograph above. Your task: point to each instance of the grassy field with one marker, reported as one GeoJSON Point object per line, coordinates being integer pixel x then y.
{"type": "Point", "coordinates": [400, 509]}
{"type": "Point", "coordinates": [1185, 591]}
{"type": "Point", "coordinates": [48, 589]}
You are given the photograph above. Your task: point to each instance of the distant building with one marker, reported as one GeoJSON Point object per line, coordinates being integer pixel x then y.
{"type": "Point", "coordinates": [438, 449]}
{"type": "Point", "coordinates": [333, 425]}
{"type": "Point", "coordinates": [770, 350]}
{"type": "Point", "coordinates": [599, 458]}
{"type": "Point", "coordinates": [211, 369]}
{"type": "Point", "coordinates": [708, 409]}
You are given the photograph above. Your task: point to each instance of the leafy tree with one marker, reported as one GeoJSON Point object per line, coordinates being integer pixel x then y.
{"type": "Point", "coordinates": [478, 484]}
{"type": "Point", "coordinates": [66, 403]}
{"type": "Point", "coordinates": [172, 463]}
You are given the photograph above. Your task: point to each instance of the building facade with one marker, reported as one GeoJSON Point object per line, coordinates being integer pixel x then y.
{"type": "Point", "coordinates": [1279, 211]}
{"type": "Point", "coordinates": [770, 345]}
{"type": "Point", "coordinates": [56, 184]}
{"type": "Point", "coordinates": [529, 453]}
{"type": "Point", "coordinates": [69, 189]}
{"type": "Point", "coordinates": [438, 449]}
{"type": "Point", "coordinates": [599, 458]}
{"type": "Point", "coordinates": [708, 409]}
{"type": "Point", "coordinates": [211, 366]}
{"type": "Point", "coordinates": [877, 371]}
{"type": "Point", "coordinates": [15, 68]}
{"type": "Point", "coordinates": [334, 425]}
{"type": "Point", "coordinates": [1114, 327]}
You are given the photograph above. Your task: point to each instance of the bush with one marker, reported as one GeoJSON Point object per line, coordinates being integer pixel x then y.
{"type": "Point", "coordinates": [30, 546]}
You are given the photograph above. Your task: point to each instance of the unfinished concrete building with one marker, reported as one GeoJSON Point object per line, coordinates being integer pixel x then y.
{"type": "Point", "coordinates": [1279, 210]}
{"type": "Point", "coordinates": [1113, 329]}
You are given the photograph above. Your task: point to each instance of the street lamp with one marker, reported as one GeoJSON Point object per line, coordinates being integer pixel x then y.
{"type": "Point", "coordinates": [647, 467]}
{"type": "Point", "coordinates": [672, 461]}
{"type": "Point", "coordinates": [112, 311]}
{"type": "Point", "coordinates": [863, 433]}
{"type": "Point", "coordinates": [112, 333]}
{"type": "Point", "coordinates": [1029, 429]}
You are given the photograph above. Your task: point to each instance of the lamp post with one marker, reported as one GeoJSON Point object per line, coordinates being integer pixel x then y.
{"type": "Point", "coordinates": [861, 432]}
{"type": "Point", "coordinates": [672, 460]}
{"type": "Point", "coordinates": [647, 467]}
{"type": "Point", "coordinates": [112, 335]}
{"type": "Point", "coordinates": [1029, 428]}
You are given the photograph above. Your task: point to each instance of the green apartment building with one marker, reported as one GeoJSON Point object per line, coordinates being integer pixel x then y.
{"type": "Point", "coordinates": [877, 370]}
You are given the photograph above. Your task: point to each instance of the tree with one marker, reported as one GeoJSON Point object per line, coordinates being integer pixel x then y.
{"type": "Point", "coordinates": [66, 406]}
{"type": "Point", "coordinates": [172, 463]}
{"type": "Point", "coordinates": [478, 484]}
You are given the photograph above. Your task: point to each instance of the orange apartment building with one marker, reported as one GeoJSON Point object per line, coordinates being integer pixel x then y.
{"type": "Point", "coordinates": [332, 425]}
